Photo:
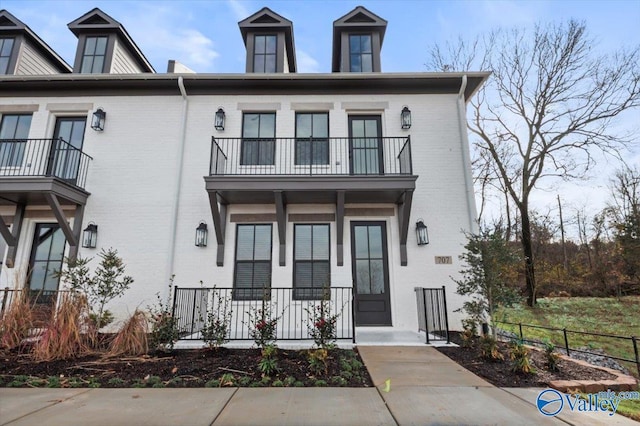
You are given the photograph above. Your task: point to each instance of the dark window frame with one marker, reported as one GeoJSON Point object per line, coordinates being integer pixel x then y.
{"type": "Point", "coordinates": [10, 56]}
{"type": "Point", "coordinates": [252, 293]}
{"type": "Point", "coordinates": [259, 141]}
{"type": "Point", "coordinates": [265, 53]}
{"type": "Point", "coordinates": [370, 53]}
{"type": "Point", "coordinates": [16, 146]}
{"type": "Point", "coordinates": [312, 140]}
{"type": "Point", "coordinates": [316, 293]}
{"type": "Point", "coordinates": [104, 55]}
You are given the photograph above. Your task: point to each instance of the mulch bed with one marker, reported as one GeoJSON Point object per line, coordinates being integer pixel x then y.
{"type": "Point", "coordinates": [499, 373]}
{"type": "Point", "coordinates": [182, 368]}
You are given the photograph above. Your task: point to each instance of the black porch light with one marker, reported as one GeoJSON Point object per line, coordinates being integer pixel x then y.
{"type": "Point", "coordinates": [421, 233]}
{"type": "Point", "coordinates": [97, 121]}
{"type": "Point", "coordinates": [219, 120]}
{"type": "Point", "coordinates": [201, 235]}
{"type": "Point", "coordinates": [90, 236]}
{"type": "Point", "coordinates": [405, 118]}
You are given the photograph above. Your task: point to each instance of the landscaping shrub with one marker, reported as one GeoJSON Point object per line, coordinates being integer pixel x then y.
{"type": "Point", "coordinates": [262, 326]}
{"type": "Point", "coordinates": [519, 355]}
{"type": "Point", "coordinates": [215, 332]}
{"type": "Point", "coordinates": [269, 362]}
{"type": "Point", "coordinates": [489, 349]}
{"type": "Point", "coordinates": [131, 339]}
{"type": "Point", "coordinates": [164, 327]}
{"type": "Point", "coordinates": [552, 358]}
{"type": "Point", "coordinates": [69, 332]}
{"type": "Point", "coordinates": [322, 325]}
{"type": "Point", "coordinates": [17, 321]}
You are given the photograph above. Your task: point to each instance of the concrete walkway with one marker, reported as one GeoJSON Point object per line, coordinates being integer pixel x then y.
{"type": "Point", "coordinates": [426, 388]}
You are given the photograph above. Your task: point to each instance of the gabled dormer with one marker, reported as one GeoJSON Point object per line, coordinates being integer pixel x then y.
{"type": "Point", "coordinates": [22, 52]}
{"type": "Point", "coordinates": [268, 38]}
{"type": "Point", "coordinates": [357, 41]}
{"type": "Point", "coordinates": [104, 46]}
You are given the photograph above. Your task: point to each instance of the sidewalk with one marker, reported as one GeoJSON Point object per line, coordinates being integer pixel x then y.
{"type": "Point", "coordinates": [426, 388]}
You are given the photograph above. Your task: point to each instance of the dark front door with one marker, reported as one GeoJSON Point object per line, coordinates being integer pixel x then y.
{"type": "Point", "coordinates": [47, 254]}
{"type": "Point", "coordinates": [370, 273]}
{"type": "Point", "coordinates": [64, 160]}
{"type": "Point", "coordinates": [365, 145]}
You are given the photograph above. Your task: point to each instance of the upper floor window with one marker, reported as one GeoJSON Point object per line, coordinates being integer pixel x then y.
{"type": "Point", "coordinates": [265, 49]}
{"type": "Point", "coordinates": [252, 275]}
{"type": "Point", "coordinates": [93, 56]}
{"type": "Point", "coordinates": [312, 138]}
{"type": "Point", "coordinates": [360, 53]}
{"type": "Point", "coordinates": [258, 139]}
{"type": "Point", "coordinates": [14, 130]}
{"type": "Point", "coordinates": [6, 46]}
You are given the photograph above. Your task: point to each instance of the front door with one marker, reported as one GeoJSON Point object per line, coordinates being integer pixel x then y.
{"type": "Point", "coordinates": [67, 149]}
{"type": "Point", "coordinates": [369, 261]}
{"type": "Point", "coordinates": [365, 145]}
{"type": "Point", "coordinates": [47, 253]}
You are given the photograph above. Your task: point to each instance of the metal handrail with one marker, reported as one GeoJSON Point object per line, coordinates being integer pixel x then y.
{"type": "Point", "coordinates": [44, 157]}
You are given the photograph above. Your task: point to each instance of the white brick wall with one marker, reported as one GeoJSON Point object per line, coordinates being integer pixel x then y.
{"type": "Point", "coordinates": [132, 181]}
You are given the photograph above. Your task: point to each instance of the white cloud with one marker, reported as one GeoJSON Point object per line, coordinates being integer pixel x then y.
{"type": "Point", "coordinates": [306, 63]}
{"type": "Point", "coordinates": [238, 9]}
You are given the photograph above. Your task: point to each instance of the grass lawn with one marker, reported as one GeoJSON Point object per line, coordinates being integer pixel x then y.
{"type": "Point", "coordinates": [620, 317]}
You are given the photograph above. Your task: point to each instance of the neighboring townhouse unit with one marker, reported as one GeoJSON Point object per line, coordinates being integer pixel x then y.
{"type": "Point", "coordinates": [297, 188]}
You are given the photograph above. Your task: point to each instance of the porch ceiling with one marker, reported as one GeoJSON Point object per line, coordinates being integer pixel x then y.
{"type": "Point", "coordinates": [32, 190]}
{"type": "Point", "coordinates": [311, 189]}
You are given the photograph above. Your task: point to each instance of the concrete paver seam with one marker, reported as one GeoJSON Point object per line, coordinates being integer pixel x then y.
{"type": "Point", "coordinates": [530, 403]}
{"type": "Point", "coordinates": [44, 408]}
{"type": "Point", "coordinates": [223, 407]}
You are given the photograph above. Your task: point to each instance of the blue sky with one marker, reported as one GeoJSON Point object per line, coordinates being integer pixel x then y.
{"type": "Point", "coordinates": [204, 35]}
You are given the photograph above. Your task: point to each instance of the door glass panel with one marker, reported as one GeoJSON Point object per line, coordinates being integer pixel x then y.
{"type": "Point", "coordinates": [65, 159]}
{"type": "Point", "coordinates": [376, 273]}
{"type": "Point", "coordinates": [366, 152]}
{"type": "Point", "coordinates": [362, 243]}
{"type": "Point", "coordinates": [46, 258]}
{"type": "Point", "coordinates": [375, 242]}
{"type": "Point", "coordinates": [362, 277]}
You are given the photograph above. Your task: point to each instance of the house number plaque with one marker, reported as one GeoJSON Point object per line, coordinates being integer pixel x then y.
{"type": "Point", "coordinates": [444, 260]}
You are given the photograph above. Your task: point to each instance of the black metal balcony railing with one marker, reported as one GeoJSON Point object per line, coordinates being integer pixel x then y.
{"type": "Point", "coordinates": [44, 157]}
{"type": "Point", "coordinates": [315, 156]}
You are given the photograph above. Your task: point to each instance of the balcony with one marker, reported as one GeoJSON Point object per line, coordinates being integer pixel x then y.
{"type": "Point", "coordinates": [285, 171]}
{"type": "Point", "coordinates": [42, 172]}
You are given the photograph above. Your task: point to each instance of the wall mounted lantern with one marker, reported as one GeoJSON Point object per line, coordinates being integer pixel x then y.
{"type": "Point", "coordinates": [97, 121]}
{"type": "Point", "coordinates": [201, 235]}
{"type": "Point", "coordinates": [219, 120]}
{"type": "Point", "coordinates": [90, 236]}
{"type": "Point", "coordinates": [421, 233]}
{"type": "Point", "coordinates": [405, 118]}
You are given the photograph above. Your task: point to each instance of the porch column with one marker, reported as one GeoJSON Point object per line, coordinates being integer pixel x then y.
{"type": "Point", "coordinates": [404, 213]}
{"type": "Point", "coordinates": [219, 215]}
{"type": "Point", "coordinates": [281, 217]}
{"type": "Point", "coordinates": [340, 227]}
{"type": "Point", "coordinates": [12, 237]}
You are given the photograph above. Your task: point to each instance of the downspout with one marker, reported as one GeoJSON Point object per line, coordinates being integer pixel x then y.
{"type": "Point", "coordinates": [176, 198]}
{"type": "Point", "coordinates": [466, 157]}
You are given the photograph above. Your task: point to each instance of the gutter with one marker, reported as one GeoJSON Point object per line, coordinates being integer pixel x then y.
{"type": "Point", "coordinates": [176, 199]}
{"type": "Point", "coordinates": [466, 157]}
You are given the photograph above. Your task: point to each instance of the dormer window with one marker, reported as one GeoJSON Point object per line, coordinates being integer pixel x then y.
{"type": "Point", "coordinates": [6, 46]}
{"type": "Point", "coordinates": [360, 53]}
{"type": "Point", "coordinates": [265, 49]}
{"type": "Point", "coordinates": [93, 56]}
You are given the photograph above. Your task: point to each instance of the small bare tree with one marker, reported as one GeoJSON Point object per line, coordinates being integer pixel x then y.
{"type": "Point", "coordinates": [548, 108]}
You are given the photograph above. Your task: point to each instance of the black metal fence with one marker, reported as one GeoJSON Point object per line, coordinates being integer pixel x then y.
{"type": "Point", "coordinates": [43, 302]}
{"type": "Point", "coordinates": [567, 346]}
{"type": "Point", "coordinates": [44, 157]}
{"type": "Point", "coordinates": [432, 313]}
{"type": "Point", "coordinates": [304, 156]}
{"type": "Point", "coordinates": [192, 307]}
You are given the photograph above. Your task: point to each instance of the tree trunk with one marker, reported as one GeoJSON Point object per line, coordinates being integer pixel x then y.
{"type": "Point", "coordinates": [527, 249]}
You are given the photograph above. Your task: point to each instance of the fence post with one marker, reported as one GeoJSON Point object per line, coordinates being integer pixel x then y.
{"type": "Point", "coordinates": [634, 339]}
{"type": "Point", "coordinates": [353, 314]}
{"type": "Point", "coordinates": [446, 315]}
{"type": "Point", "coordinates": [520, 327]}
{"type": "Point", "coordinates": [566, 341]}
{"type": "Point", "coordinates": [426, 319]}
{"type": "Point", "coordinates": [6, 294]}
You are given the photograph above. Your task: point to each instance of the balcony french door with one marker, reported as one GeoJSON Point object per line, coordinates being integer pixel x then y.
{"type": "Point", "coordinates": [64, 159]}
{"type": "Point", "coordinates": [365, 145]}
